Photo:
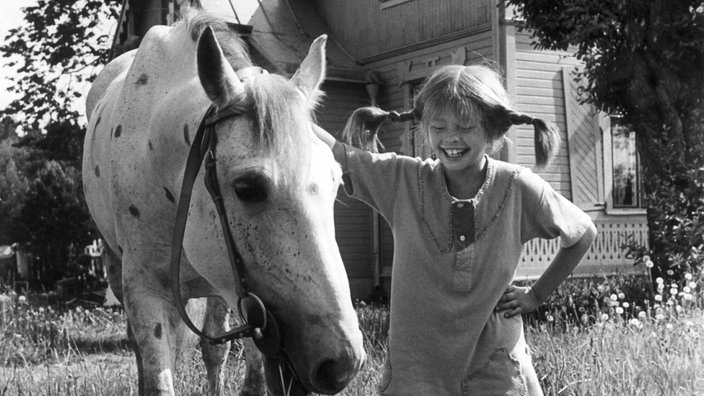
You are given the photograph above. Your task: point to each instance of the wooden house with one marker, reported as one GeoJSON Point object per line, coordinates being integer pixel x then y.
{"type": "Point", "coordinates": [380, 51]}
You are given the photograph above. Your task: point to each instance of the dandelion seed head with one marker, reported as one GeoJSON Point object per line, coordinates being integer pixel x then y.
{"type": "Point", "coordinates": [658, 297]}
{"type": "Point", "coordinates": [621, 296]}
{"type": "Point", "coordinates": [642, 314]}
{"type": "Point", "coordinates": [670, 272]}
{"type": "Point", "coordinates": [649, 264]}
{"type": "Point", "coordinates": [659, 280]}
{"type": "Point", "coordinates": [688, 276]}
{"type": "Point", "coordinates": [614, 297]}
{"type": "Point", "coordinates": [619, 310]}
{"type": "Point", "coordinates": [692, 285]}
{"type": "Point", "coordinates": [686, 289]}
{"type": "Point", "coordinates": [626, 304]}
{"type": "Point", "coordinates": [604, 317]}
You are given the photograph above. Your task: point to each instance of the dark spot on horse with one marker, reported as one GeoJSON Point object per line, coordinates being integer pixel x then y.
{"type": "Point", "coordinates": [134, 211]}
{"type": "Point", "coordinates": [97, 171]}
{"type": "Point", "coordinates": [313, 188]}
{"type": "Point", "coordinates": [119, 248]}
{"type": "Point", "coordinates": [118, 131]}
{"type": "Point", "coordinates": [157, 331]}
{"type": "Point", "coordinates": [151, 146]}
{"type": "Point", "coordinates": [142, 80]}
{"type": "Point", "coordinates": [186, 136]}
{"type": "Point", "coordinates": [169, 195]}
{"type": "Point", "coordinates": [97, 123]}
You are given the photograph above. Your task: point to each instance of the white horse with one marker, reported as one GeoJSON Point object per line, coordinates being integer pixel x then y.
{"type": "Point", "coordinates": [277, 183]}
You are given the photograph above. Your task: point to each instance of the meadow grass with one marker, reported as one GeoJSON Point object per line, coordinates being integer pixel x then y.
{"type": "Point", "coordinates": [612, 348]}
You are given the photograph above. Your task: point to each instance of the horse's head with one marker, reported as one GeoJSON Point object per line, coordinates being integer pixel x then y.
{"type": "Point", "coordinates": [279, 184]}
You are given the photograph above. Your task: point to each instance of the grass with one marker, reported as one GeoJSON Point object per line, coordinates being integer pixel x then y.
{"type": "Point", "coordinates": [590, 338]}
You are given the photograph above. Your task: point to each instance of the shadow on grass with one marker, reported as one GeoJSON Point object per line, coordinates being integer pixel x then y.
{"type": "Point", "coordinates": [111, 344]}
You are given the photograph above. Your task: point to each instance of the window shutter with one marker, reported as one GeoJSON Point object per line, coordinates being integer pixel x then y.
{"type": "Point", "coordinates": [584, 141]}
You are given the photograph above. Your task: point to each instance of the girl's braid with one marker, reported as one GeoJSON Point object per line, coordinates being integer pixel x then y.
{"type": "Point", "coordinates": [546, 136]}
{"type": "Point", "coordinates": [363, 125]}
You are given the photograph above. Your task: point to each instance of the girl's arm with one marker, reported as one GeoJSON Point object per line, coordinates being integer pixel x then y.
{"type": "Point", "coordinates": [324, 135]}
{"type": "Point", "coordinates": [517, 300]}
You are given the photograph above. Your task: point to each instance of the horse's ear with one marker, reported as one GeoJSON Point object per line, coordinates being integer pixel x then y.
{"type": "Point", "coordinates": [312, 70]}
{"type": "Point", "coordinates": [220, 82]}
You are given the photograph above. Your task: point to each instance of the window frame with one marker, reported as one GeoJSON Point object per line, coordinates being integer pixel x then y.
{"type": "Point", "coordinates": [606, 126]}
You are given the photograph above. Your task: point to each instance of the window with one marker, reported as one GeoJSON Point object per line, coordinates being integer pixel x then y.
{"type": "Point", "coordinates": [625, 167]}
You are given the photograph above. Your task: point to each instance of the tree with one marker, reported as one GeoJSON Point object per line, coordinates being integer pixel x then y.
{"type": "Point", "coordinates": [56, 53]}
{"type": "Point", "coordinates": [643, 60]}
{"type": "Point", "coordinates": [60, 46]}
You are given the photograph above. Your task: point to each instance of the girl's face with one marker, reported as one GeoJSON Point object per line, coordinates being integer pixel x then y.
{"type": "Point", "coordinates": [459, 144]}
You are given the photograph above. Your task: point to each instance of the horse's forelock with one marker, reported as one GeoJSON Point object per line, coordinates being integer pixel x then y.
{"type": "Point", "coordinates": [232, 46]}
{"type": "Point", "coordinates": [281, 112]}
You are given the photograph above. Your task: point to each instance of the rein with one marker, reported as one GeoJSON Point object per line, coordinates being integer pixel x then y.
{"type": "Point", "coordinates": [259, 324]}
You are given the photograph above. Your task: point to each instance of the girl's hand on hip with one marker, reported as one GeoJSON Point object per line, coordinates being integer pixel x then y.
{"type": "Point", "coordinates": [517, 300]}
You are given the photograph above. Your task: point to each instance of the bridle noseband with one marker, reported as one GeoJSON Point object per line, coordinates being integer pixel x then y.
{"type": "Point", "coordinates": [259, 324]}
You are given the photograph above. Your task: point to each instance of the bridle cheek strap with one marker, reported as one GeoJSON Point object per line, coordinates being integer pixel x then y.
{"type": "Point", "coordinates": [259, 323]}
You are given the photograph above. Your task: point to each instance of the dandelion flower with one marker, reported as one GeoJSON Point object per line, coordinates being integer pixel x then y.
{"type": "Point", "coordinates": [658, 297]}
{"type": "Point", "coordinates": [659, 316]}
{"type": "Point", "coordinates": [649, 264]}
{"type": "Point", "coordinates": [686, 289]}
{"type": "Point", "coordinates": [626, 304]}
{"type": "Point", "coordinates": [692, 285]}
{"type": "Point", "coordinates": [670, 272]}
{"type": "Point", "coordinates": [659, 280]}
{"type": "Point", "coordinates": [669, 326]}
{"type": "Point", "coordinates": [614, 297]}
{"type": "Point", "coordinates": [635, 322]}
{"type": "Point", "coordinates": [646, 258]}
{"type": "Point", "coordinates": [673, 292]}
{"type": "Point", "coordinates": [621, 296]}
{"type": "Point", "coordinates": [619, 310]}
{"type": "Point", "coordinates": [41, 309]}
{"type": "Point", "coordinates": [550, 318]}
{"type": "Point", "coordinates": [22, 299]}
{"type": "Point", "coordinates": [604, 317]}
{"type": "Point", "coordinates": [687, 296]}
{"type": "Point", "coordinates": [688, 276]}
{"type": "Point", "coordinates": [674, 286]}
{"type": "Point", "coordinates": [679, 308]}
{"type": "Point", "coordinates": [642, 314]}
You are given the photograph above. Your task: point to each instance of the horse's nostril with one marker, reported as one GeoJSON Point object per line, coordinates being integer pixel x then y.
{"type": "Point", "coordinates": [332, 376]}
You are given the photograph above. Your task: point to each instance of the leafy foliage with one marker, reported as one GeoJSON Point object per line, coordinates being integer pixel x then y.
{"type": "Point", "coordinates": [643, 60]}
{"type": "Point", "coordinates": [55, 52]}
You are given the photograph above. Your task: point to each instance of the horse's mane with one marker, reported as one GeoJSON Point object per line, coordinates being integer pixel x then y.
{"type": "Point", "coordinates": [232, 46]}
{"type": "Point", "coordinates": [279, 109]}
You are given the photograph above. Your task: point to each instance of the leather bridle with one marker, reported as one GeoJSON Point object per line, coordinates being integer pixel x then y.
{"type": "Point", "coordinates": [259, 324]}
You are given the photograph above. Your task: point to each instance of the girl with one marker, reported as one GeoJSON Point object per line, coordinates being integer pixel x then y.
{"type": "Point", "coordinates": [459, 225]}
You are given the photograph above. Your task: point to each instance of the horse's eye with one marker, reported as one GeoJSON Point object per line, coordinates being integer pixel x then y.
{"type": "Point", "coordinates": [252, 188]}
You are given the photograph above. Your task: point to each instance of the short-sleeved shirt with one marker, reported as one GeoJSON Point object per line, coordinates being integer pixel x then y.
{"type": "Point", "coordinates": [453, 259]}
